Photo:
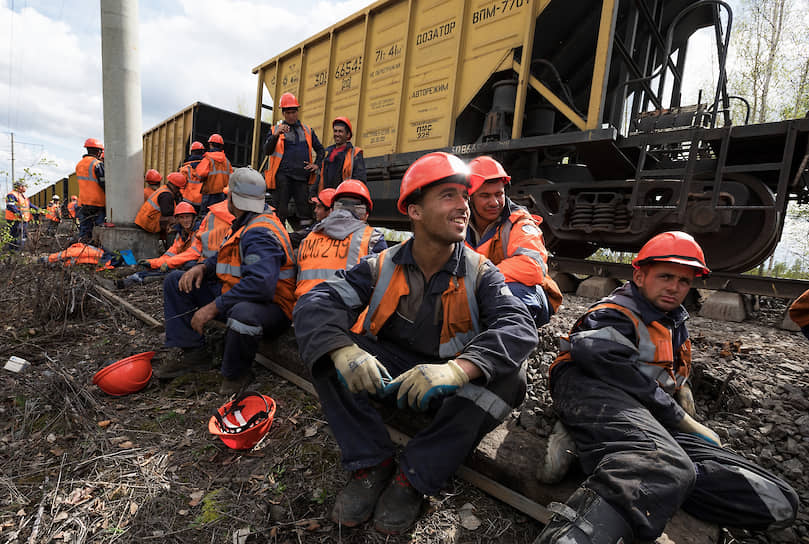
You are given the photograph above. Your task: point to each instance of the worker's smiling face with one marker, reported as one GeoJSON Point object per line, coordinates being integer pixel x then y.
{"type": "Point", "coordinates": [340, 134]}
{"type": "Point", "coordinates": [443, 212]}
{"type": "Point", "coordinates": [664, 284]}
{"type": "Point", "coordinates": [186, 220]}
{"type": "Point", "coordinates": [488, 202]}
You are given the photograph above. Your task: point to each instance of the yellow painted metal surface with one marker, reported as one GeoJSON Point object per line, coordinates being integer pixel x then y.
{"type": "Point", "coordinates": [164, 145]}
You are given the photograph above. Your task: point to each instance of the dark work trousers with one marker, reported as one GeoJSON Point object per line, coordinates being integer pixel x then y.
{"type": "Point", "coordinates": [247, 323]}
{"type": "Point", "coordinates": [430, 459]}
{"type": "Point", "coordinates": [89, 217]}
{"type": "Point", "coordinates": [18, 232]}
{"type": "Point", "coordinates": [647, 471]}
{"type": "Point", "coordinates": [209, 200]}
{"type": "Point", "coordinates": [286, 187]}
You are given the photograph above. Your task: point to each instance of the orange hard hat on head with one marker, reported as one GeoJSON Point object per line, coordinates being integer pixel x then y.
{"type": "Point", "coordinates": [216, 139]}
{"type": "Point", "coordinates": [242, 422]}
{"type": "Point", "coordinates": [673, 247]}
{"type": "Point", "coordinates": [346, 122]}
{"type": "Point", "coordinates": [153, 176]}
{"type": "Point", "coordinates": [73, 197]}
{"type": "Point", "coordinates": [184, 207]}
{"type": "Point", "coordinates": [288, 100]}
{"type": "Point", "coordinates": [355, 188]}
{"type": "Point", "coordinates": [92, 143]}
{"type": "Point", "coordinates": [198, 146]}
{"type": "Point", "coordinates": [177, 179]}
{"type": "Point", "coordinates": [489, 169]}
{"type": "Point", "coordinates": [325, 197]}
{"type": "Point", "coordinates": [429, 169]}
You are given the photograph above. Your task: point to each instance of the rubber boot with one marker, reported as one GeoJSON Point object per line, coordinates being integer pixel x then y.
{"type": "Point", "coordinates": [559, 455]}
{"type": "Point", "coordinates": [398, 507]}
{"type": "Point", "coordinates": [586, 518]}
{"type": "Point", "coordinates": [356, 502]}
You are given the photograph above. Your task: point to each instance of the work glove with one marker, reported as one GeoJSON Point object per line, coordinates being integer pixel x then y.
{"type": "Point", "coordinates": [691, 426]}
{"type": "Point", "coordinates": [144, 262]}
{"type": "Point", "coordinates": [422, 383]}
{"type": "Point", "coordinates": [685, 398]}
{"type": "Point", "coordinates": [358, 370]}
{"type": "Point", "coordinates": [164, 267]}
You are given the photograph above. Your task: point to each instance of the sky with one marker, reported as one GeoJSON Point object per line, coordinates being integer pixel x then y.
{"type": "Point", "coordinates": [190, 51]}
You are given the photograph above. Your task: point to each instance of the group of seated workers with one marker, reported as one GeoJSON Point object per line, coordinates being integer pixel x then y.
{"type": "Point", "coordinates": [443, 323]}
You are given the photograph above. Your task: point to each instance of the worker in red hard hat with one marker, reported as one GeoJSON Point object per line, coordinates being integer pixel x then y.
{"type": "Point", "coordinates": [184, 215]}
{"type": "Point", "coordinates": [510, 237]}
{"type": "Point", "coordinates": [342, 160]}
{"type": "Point", "coordinates": [92, 198]}
{"type": "Point", "coordinates": [619, 386]}
{"type": "Point", "coordinates": [213, 171]}
{"type": "Point", "coordinates": [152, 179]}
{"type": "Point", "coordinates": [157, 213]}
{"type": "Point", "coordinates": [192, 193]}
{"type": "Point", "coordinates": [290, 168]}
{"type": "Point", "coordinates": [439, 330]}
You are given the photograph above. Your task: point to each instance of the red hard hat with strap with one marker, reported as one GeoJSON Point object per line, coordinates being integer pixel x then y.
{"type": "Point", "coordinates": [673, 247]}
{"type": "Point", "coordinates": [288, 100]}
{"type": "Point", "coordinates": [355, 188]}
{"type": "Point", "coordinates": [216, 139]}
{"type": "Point", "coordinates": [346, 122]}
{"type": "Point", "coordinates": [153, 176]}
{"type": "Point", "coordinates": [429, 169]}
{"type": "Point", "coordinates": [92, 143]}
{"type": "Point", "coordinates": [242, 422]}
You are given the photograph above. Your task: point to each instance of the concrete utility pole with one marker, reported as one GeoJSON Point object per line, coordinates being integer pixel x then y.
{"type": "Point", "coordinates": [123, 142]}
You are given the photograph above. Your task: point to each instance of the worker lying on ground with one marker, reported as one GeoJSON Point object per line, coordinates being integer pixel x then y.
{"type": "Point", "coordinates": [441, 332]}
{"type": "Point", "coordinates": [614, 386]}
{"type": "Point", "coordinates": [509, 236]}
{"type": "Point", "coordinates": [156, 215]}
{"type": "Point", "coordinates": [340, 240]}
{"type": "Point", "coordinates": [799, 313]}
{"type": "Point", "coordinates": [322, 205]}
{"type": "Point", "coordinates": [249, 283]}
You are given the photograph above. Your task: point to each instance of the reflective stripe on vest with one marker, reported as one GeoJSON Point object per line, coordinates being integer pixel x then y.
{"type": "Point", "coordinates": [149, 215]}
{"type": "Point", "coordinates": [90, 191]}
{"type": "Point", "coordinates": [317, 264]}
{"type": "Point", "coordinates": [531, 253]}
{"type": "Point", "coordinates": [274, 161]}
{"type": "Point", "coordinates": [23, 204]}
{"type": "Point", "coordinates": [218, 176]}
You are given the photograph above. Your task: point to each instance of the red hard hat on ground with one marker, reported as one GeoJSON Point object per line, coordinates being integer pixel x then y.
{"type": "Point", "coordinates": [92, 143]}
{"type": "Point", "coordinates": [429, 169]}
{"type": "Point", "coordinates": [125, 376]}
{"type": "Point", "coordinates": [198, 145]}
{"type": "Point", "coordinates": [489, 169]}
{"type": "Point", "coordinates": [346, 122]}
{"type": "Point", "coordinates": [216, 139]}
{"type": "Point", "coordinates": [325, 197]}
{"type": "Point", "coordinates": [356, 188]}
{"type": "Point", "coordinates": [184, 207]}
{"type": "Point", "coordinates": [288, 100]}
{"type": "Point", "coordinates": [242, 422]}
{"type": "Point", "coordinates": [177, 179]}
{"type": "Point", "coordinates": [153, 176]}
{"type": "Point", "coordinates": [673, 247]}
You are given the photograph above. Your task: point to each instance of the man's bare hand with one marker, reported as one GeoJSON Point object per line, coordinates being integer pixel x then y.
{"type": "Point", "coordinates": [309, 167]}
{"type": "Point", "coordinates": [192, 279]}
{"type": "Point", "coordinates": [203, 315]}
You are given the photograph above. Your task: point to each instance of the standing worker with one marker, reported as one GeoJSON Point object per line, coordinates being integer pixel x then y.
{"type": "Point", "coordinates": [441, 333]}
{"type": "Point", "coordinates": [152, 179]}
{"type": "Point", "coordinates": [73, 209]}
{"type": "Point", "coordinates": [157, 213]}
{"type": "Point", "coordinates": [342, 160]}
{"type": "Point", "coordinates": [192, 192]}
{"type": "Point", "coordinates": [214, 171]}
{"type": "Point", "coordinates": [54, 216]}
{"type": "Point", "coordinates": [18, 214]}
{"type": "Point", "coordinates": [290, 169]}
{"type": "Point", "coordinates": [90, 173]}
{"type": "Point", "coordinates": [616, 386]}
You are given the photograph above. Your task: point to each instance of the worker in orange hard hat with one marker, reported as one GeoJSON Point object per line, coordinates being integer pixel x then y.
{"type": "Point", "coordinates": [510, 237]}
{"type": "Point", "coordinates": [184, 215]}
{"type": "Point", "coordinates": [92, 198]}
{"type": "Point", "coordinates": [73, 209]}
{"type": "Point", "coordinates": [192, 193]}
{"type": "Point", "coordinates": [152, 179]}
{"type": "Point", "coordinates": [18, 214]}
{"type": "Point", "coordinates": [342, 160]}
{"type": "Point", "coordinates": [157, 213]}
{"type": "Point", "coordinates": [53, 214]}
{"type": "Point", "coordinates": [291, 172]}
{"type": "Point", "coordinates": [213, 170]}
{"type": "Point", "coordinates": [440, 330]}
{"type": "Point", "coordinates": [619, 386]}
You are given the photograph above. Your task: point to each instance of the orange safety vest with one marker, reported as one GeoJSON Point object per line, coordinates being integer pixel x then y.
{"type": "Point", "coordinates": [177, 247]}
{"type": "Point", "coordinates": [78, 254]}
{"type": "Point", "coordinates": [348, 166]}
{"type": "Point", "coordinates": [208, 237]}
{"type": "Point", "coordinates": [496, 249]}
{"type": "Point", "coordinates": [23, 204]}
{"type": "Point", "coordinates": [192, 192]}
{"type": "Point", "coordinates": [655, 348]}
{"type": "Point", "coordinates": [71, 208]}
{"type": "Point", "coordinates": [90, 191]}
{"type": "Point", "coordinates": [320, 257]}
{"type": "Point", "coordinates": [799, 310]}
{"type": "Point", "coordinates": [461, 315]}
{"type": "Point", "coordinates": [52, 212]}
{"type": "Point", "coordinates": [148, 217]}
{"type": "Point", "coordinates": [216, 173]}
{"type": "Point", "coordinates": [229, 260]}
{"type": "Point", "coordinates": [147, 192]}
{"type": "Point", "coordinates": [278, 153]}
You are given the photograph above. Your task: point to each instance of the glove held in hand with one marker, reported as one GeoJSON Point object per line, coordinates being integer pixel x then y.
{"type": "Point", "coordinates": [424, 382]}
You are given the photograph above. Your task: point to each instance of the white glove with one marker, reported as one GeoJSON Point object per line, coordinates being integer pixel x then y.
{"type": "Point", "coordinates": [419, 385]}
{"type": "Point", "coordinates": [692, 426]}
{"type": "Point", "coordinates": [685, 398]}
{"type": "Point", "coordinates": [358, 370]}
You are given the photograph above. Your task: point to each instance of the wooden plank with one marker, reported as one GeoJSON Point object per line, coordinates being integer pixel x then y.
{"type": "Point", "coordinates": [143, 316]}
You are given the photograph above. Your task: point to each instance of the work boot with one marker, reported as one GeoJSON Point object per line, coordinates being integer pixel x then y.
{"type": "Point", "coordinates": [398, 507]}
{"type": "Point", "coordinates": [356, 502]}
{"type": "Point", "coordinates": [235, 385]}
{"type": "Point", "coordinates": [586, 519]}
{"type": "Point", "coordinates": [176, 365]}
{"type": "Point", "coordinates": [559, 455]}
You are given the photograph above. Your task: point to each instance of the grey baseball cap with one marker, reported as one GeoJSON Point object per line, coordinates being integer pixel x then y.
{"type": "Point", "coordinates": [246, 187]}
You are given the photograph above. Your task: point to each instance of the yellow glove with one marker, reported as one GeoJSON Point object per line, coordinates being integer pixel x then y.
{"type": "Point", "coordinates": [424, 382]}
{"type": "Point", "coordinates": [358, 370]}
{"type": "Point", "coordinates": [692, 426]}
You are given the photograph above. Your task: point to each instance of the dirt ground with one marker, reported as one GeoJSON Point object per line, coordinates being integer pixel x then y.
{"type": "Point", "coordinates": [77, 465]}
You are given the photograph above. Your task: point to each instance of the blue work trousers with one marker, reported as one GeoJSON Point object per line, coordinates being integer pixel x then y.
{"type": "Point", "coordinates": [247, 323]}
{"type": "Point", "coordinates": [209, 200]}
{"type": "Point", "coordinates": [18, 232]}
{"type": "Point", "coordinates": [432, 456]}
{"type": "Point", "coordinates": [89, 217]}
